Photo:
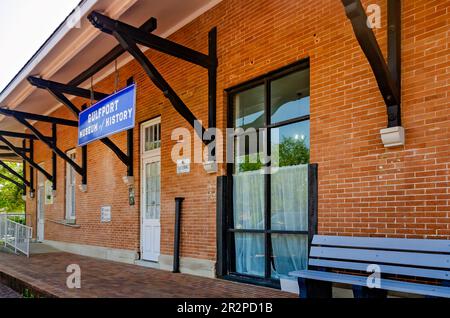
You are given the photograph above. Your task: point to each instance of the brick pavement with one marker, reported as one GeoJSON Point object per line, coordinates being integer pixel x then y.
{"type": "Point", "coordinates": [46, 275]}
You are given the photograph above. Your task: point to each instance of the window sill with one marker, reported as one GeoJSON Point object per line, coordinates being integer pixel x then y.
{"type": "Point", "coordinates": [67, 223]}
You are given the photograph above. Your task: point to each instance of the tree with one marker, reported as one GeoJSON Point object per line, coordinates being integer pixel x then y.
{"type": "Point", "coordinates": [290, 152]}
{"type": "Point", "coordinates": [293, 152]}
{"type": "Point", "coordinates": [10, 194]}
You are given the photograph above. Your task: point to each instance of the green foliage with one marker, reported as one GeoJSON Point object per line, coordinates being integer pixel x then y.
{"type": "Point", "coordinates": [17, 219]}
{"type": "Point", "coordinates": [251, 163]}
{"type": "Point", "coordinates": [291, 152]}
{"type": "Point", "coordinates": [11, 195]}
{"type": "Point", "coordinates": [28, 294]}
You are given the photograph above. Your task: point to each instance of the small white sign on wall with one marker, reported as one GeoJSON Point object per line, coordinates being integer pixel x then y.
{"type": "Point", "coordinates": [105, 212]}
{"type": "Point", "coordinates": [183, 166]}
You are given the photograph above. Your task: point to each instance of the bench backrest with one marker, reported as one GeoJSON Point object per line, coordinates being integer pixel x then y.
{"type": "Point", "coordinates": [406, 257]}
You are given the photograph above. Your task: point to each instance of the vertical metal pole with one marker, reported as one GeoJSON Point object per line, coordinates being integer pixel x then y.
{"type": "Point", "coordinates": [130, 142]}
{"type": "Point", "coordinates": [6, 229]}
{"type": "Point", "coordinates": [84, 158]}
{"type": "Point", "coordinates": [394, 39]}
{"type": "Point", "coordinates": [54, 159]}
{"type": "Point", "coordinates": [16, 233]}
{"type": "Point", "coordinates": [130, 137]}
{"type": "Point", "coordinates": [212, 87]}
{"type": "Point", "coordinates": [221, 228]}
{"type": "Point", "coordinates": [24, 167]}
{"type": "Point", "coordinates": [32, 190]}
{"type": "Point", "coordinates": [212, 78]}
{"type": "Point", "coordinates": [177, 239]}
{"type": "Point", "coordinates": [313, 198]}
{"type": "Point", "coordinates": [394, 57]}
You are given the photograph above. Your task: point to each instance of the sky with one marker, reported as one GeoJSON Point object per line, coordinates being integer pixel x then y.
{"type": "Point", "coordinates": [24, 26]}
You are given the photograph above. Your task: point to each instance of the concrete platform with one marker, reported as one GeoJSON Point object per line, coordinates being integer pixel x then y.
{"type": "Point", "coordinates": [41, 248]}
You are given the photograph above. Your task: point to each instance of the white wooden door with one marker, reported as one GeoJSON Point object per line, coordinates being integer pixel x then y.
{"type": "Point", "coordinates": [150, 190]}
{"type": "Point", "coordinates": [151, 226]}
{"type": "Point", "coordinates": [40, 208]}
{"type": "Point", "coordinates": [70, 188]}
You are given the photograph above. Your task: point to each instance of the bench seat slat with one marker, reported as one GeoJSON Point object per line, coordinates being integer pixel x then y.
{"type": "Point", "coordinates": [393, 285]}
{"type": "Point", "coordinates": [420, 245]}
{"type": "Point", "coordinates": [380, 257]}
{"type": "Point", "coordinates": [385, 269]}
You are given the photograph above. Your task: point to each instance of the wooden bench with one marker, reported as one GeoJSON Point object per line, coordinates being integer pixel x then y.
{"type": "Point", "coordinates": [397, 260]}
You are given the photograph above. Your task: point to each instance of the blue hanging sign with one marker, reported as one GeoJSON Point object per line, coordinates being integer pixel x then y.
{"type": "Point", "coordinates": [114, 114]}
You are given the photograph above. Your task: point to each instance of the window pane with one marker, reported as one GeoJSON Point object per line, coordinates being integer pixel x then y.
{"type": "Point", "coordinates": [70, 188]}
{"type": "Point", "coordinates": [248, 200]}
{"type": "Point", "coordinates": [152, 191]}
{"type": "Point", "coordinates": [289, 193]}
{"type": "Point", "coordinates": [249, 108]}
{"type": "Point", "coordinates": [152, 137]}
{"type": "Point", "coordinates": [290, 144]}
{"type": "Point", "coordinates": [290, 253]}
{"type": "Point", "coordinates": [290, 97]}
{"type": "Point", "coordinates": [246, 152]}
{"type": "Point", "coordinates": [250, 254]}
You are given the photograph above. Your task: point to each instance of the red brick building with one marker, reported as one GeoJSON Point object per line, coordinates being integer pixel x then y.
{"type": "Point", "coordinates": [294, 67]}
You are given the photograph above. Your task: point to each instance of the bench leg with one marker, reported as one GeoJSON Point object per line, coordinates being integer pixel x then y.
{"type": "Point", "coordinates": [314, 288]}
{"type": "Point", "coordinates": [366, 292]}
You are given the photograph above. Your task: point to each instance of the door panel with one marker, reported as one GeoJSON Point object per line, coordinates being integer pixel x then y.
{"type": "Point", "coordinates": [70, 188]}
{"type": "Point", "coordinates": [40, 208]}
{"type": "Point", "coordinates": [151, 227]}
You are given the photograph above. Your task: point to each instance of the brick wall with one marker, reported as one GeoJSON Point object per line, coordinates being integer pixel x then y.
{"type": "Point", "coordinates": [364, 189]}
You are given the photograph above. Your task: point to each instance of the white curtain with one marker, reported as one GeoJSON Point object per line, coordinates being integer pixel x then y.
{"type": "Point", "coordinates": [248, 197]}
{"type": "Point", "coordinates": [289, 188]}
{"type": "Point", "coordinates": [249, 200]}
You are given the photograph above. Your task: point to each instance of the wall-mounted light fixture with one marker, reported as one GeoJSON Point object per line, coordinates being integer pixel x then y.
{"type": "Point", "coordinates": [210, 166]}
{"type": "Point", "coordinates": [128, 180]}
{"type": "Point", "coordinates": [393, 136]}
{"type": "Point", "coordinates": [83, 188]}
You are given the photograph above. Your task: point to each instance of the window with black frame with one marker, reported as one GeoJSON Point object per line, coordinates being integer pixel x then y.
{"type": "Point", "coordinates": [269, 230]}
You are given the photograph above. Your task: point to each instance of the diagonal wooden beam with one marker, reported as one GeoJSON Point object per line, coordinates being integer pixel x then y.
{"type": "Point", "coordinates": [21, 149]}
{"type": "Point", "coordinates": [51, 145]}
{"type": "Point", "coordinates": [387, 78]}
{"type": "Point", "coordinates": [8, 156]}
{"type": "Point", "coordinates": [14, 134]}
{"type": "Point", "coordinates": [14, 173]}
{"type": "Point", "coordinates": [108, 25]}
{"type": "Point", "coordinates": [65, 89]}
{"type": "Point", "coordinates": [2, 176]}
{"type": "Point", "coordinates": [157, 79]}
{"type": "Point", "coordinates": [48, 119]}
{"type": "Point", "coordinates": [149, 26]}
{"type": "Point", "coordinates": [28, 160]}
